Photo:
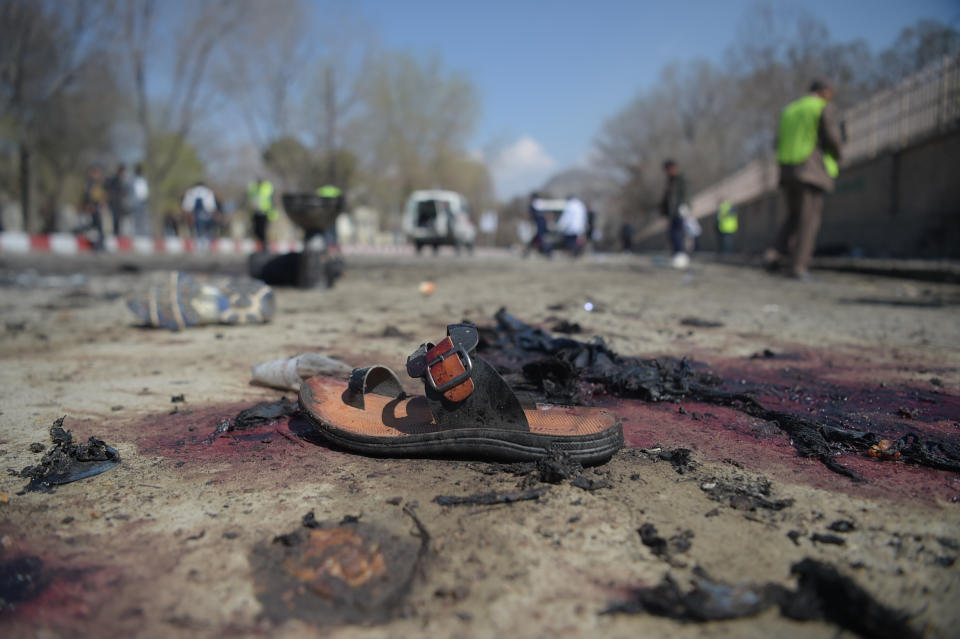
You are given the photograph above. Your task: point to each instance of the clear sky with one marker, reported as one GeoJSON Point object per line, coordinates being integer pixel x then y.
{"type": "Point", "coordinates": [549, 73]}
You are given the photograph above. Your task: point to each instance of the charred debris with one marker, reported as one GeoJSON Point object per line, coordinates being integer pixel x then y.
{"type": "Point", "coordinates": [568, 371]}
{"type": "Point", "coordinates": [66, 461]}
{"type": "Point", "coordinates": [822, 593]}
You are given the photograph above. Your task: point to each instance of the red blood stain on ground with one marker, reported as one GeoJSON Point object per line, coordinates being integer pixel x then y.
{"type": "Point", "coordinates": [61, 592]}
{"type": "Point", "coordinates": [841, 387]}
{"type": "Point", "coordinates": [718, 434]}
{"type": "Point", "coordinates": [286, 450]}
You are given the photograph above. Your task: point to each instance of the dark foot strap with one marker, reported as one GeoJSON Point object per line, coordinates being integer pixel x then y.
{"type": "Point", "coordinates": [463, 390]}
{"type": "Point", "coordinates": [378, 380]}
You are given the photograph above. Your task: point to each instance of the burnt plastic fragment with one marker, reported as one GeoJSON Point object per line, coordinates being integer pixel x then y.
{"type": "Point", "coordinates": [67, 462]}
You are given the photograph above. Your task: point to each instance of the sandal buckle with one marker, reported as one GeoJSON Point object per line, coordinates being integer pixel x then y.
{"type": "Point", "coordinates": [456, 381]}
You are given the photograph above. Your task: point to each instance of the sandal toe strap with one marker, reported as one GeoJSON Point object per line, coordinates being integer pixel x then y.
{"type": "Point", "coordinates": [376, 379]}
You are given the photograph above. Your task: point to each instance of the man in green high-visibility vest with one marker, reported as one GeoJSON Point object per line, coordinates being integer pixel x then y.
{"type": "Point", "coordinates": [260, 200]}
{"type": "Point", "coordinates": [808, 149]}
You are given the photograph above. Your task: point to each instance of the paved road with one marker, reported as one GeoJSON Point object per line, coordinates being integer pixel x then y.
{"type": "Point", "coordinates": [180, 538]}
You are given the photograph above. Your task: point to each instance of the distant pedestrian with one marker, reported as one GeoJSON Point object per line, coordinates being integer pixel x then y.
{"type": "Point", "coordinates": [626, 237]}
{"type": "Point", "coordinates": [593, 233]}
{"type": "Point", "coordinates": [171, 224]}
{"type": "Point", "coordinates": [727, 225]}
{"type": "Point", "coordinates": [675, 195]}
{"type": "Point", "coordinates": [94, 203]}
{"type": "Point", "coordinates": [139, 199]}
{"type": "Point", "coordinates": [808, 150]}
{"type": "Point", "coordinates": [260, 201]}
{"type": "Point", "coordinates": [118, 192]}
{"type": "Point", "coordinates": [572, 224]}
{"type": "Point", "coordinates": [200, 205]}
{"type": "Point", "coordinates": [539, 240]}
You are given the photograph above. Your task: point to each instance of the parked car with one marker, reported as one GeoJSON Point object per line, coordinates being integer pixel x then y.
{"type": "Point", "coordinates": [436, 218]}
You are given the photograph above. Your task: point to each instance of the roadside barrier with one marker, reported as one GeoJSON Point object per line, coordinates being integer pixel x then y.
{"type": "Point", "coordinates": [69, 244]}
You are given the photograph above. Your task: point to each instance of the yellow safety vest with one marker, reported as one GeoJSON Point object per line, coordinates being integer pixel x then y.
{"type": "Point", "coordinates": [262, 196]}
{"type": "Point", "coordinates": [727, 218]}
{"type": "Point", "coordinates": [328, 191]}
{"type": "Point", "coordinates": [799, 124]}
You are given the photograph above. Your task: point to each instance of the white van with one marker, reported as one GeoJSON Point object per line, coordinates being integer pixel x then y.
{"type": "Point", "coordinates": [435, 218]}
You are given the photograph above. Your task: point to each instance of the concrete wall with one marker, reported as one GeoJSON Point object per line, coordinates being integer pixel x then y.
{"type": "Point", "coordinates": [899, 204]}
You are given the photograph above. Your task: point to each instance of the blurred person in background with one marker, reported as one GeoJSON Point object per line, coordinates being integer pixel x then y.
{"type": "Point", "coordinates": [200, 206]}
{"type": "Point", "coordinates": [573, 225]}
{"type": "Point", "coordinates": [118, 191]}
{"type": "Point", "coordinates": [94, 203]}
{"type": "Point", "coordinates": [139, 198]}
{"type": "Point", "coordinates": [539, 241]}
{"type": "Point", "coordinates": [171, 223]}
{"type": "Point", "coordinates": [593, 233]}
{"type": "Point", "coordinates": [260, 201]}
{"type": "Point", "coordinates": [727, 225]}
{"type": "Point", "coordinates": [626, 236]}
{"type": "Point", "coordinates": [808, 150]}
{"type": "Point", "coordinates": [674, 195]}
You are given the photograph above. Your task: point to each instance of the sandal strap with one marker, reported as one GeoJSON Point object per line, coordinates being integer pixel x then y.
{"type": "Point", "coordinates": [462, 389]}
{"type": "Point", "coordinates": [376, 379]}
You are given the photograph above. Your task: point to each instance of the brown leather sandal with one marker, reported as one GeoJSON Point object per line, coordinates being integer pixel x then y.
{"type": "Point", "coordinates": [467, 410]}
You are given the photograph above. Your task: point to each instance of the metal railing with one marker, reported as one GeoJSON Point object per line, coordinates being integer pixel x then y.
{"type": "Point", "coordinates": [924, 103]}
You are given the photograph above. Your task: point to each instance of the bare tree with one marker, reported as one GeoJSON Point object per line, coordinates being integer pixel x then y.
{"type": "Point", "coordinates": [263, 69]}
{"type": "Point", "coordinates": [43, 48]}
{"type": "Point", "coordinates": [690, 116]}
{"type": "Point", "coordinates": [199, 30]}
{"type": "Point", "coordinates": [917, 46]}
{"type": "Point", "coordinates": [417, 117]}
{"type": "Point", "coordinates": [334, 98]}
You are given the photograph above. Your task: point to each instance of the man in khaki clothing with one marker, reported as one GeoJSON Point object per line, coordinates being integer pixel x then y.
{"type": "Point", "coordinates": [808, 149]}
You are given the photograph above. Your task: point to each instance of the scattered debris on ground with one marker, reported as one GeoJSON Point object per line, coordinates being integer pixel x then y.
{"type": "Point", "coordinates": [256, 415]}
{"type": "Point", "coordinates": [557, 467]}
{"type": "Point", "coordinates": [287, 373]}
{"type": "Point", "coordinates": [679, 458]}
{"type": "Point", "coordinates": [333, 573]}
{"type": "Point", "coordinates": [264, 413]}
{"type": "Point", "coordinates": [176, 300]}
{"type": "Point", "coordinates": [489, 499]}
{"type": "Point", "coordinates": [822, 538]}
{"type": "Point", "coordinates": [589, 484]}
{"type": "Point", "coordinates": [698, 322]}
{"type": "Point", "coordinates": [663, 547]}
{"type": "Point", "coordinates": [707, 600]}
{"type": "Point", "coordinates": [565, 370]}
{"type": "Point", "coordinates": [822, 593]}
{"type": "Point", "coordinates": [554, 468]}
{"type": "Point", "coordinates": [66, 461]}
{"type": "Point", "coordinates": [567, 327]}
{"type": "Point", "coordinates": [842, 526]}
{"type": "Point", "coordinates": [743, 494]}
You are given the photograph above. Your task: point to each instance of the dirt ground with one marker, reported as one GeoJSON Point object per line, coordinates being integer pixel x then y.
{"type": "Point", "coordinates": [186, 536]}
